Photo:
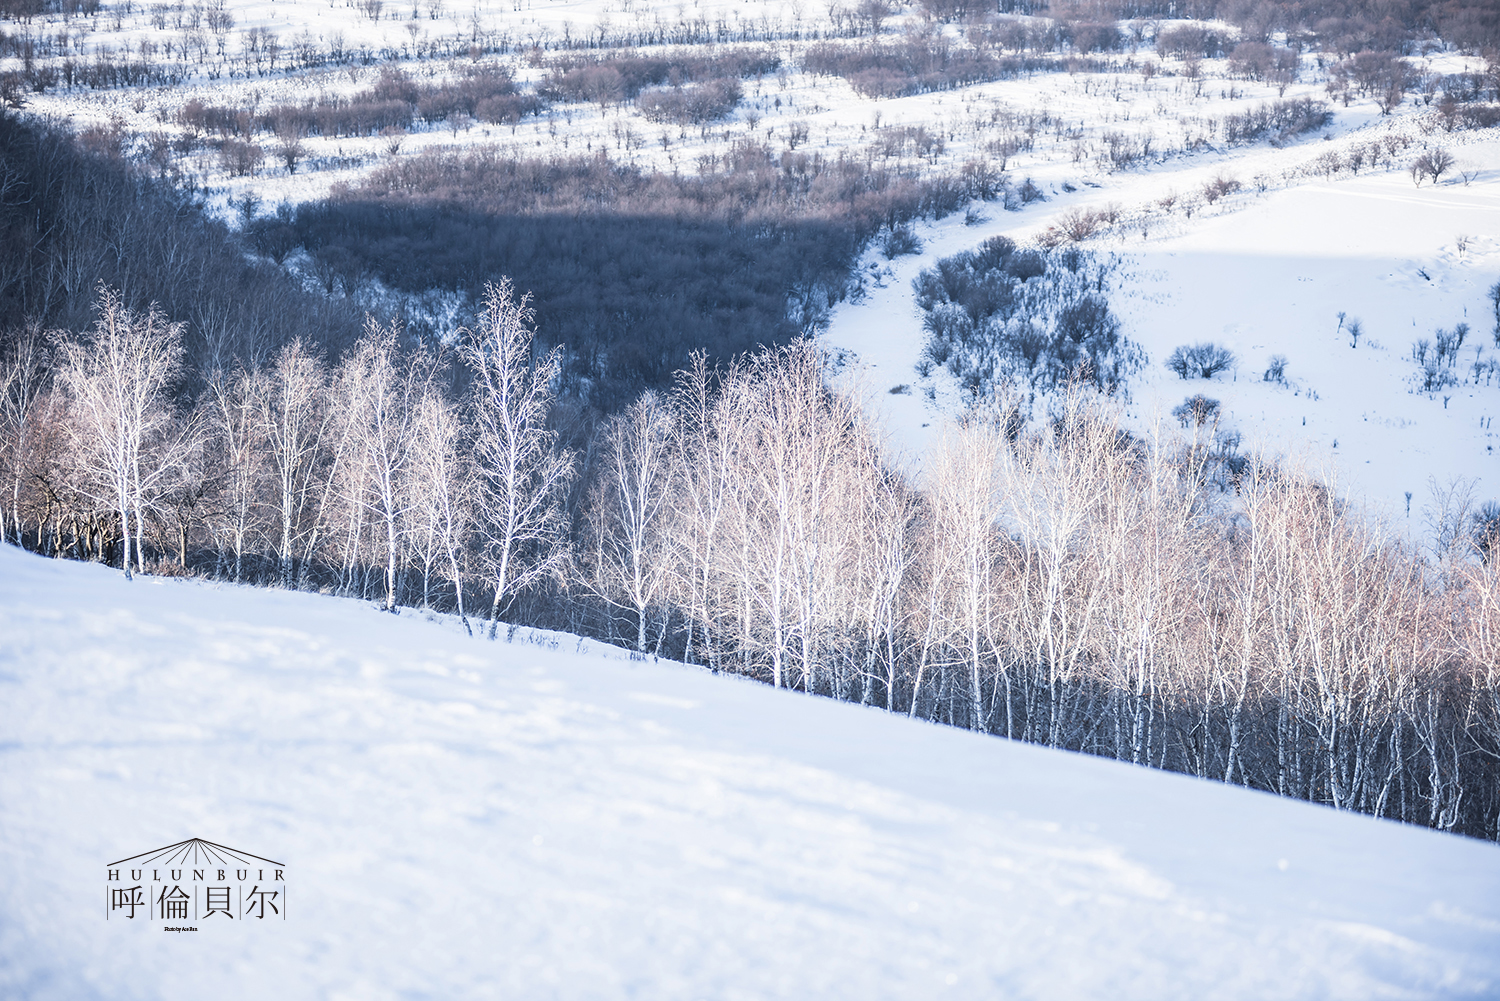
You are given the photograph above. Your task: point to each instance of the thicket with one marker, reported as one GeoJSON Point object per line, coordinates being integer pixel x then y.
{"type": "Point", "coordinates": [1053, 579]}
{"type": "Point", "coordinates": [918, 65]}
{"type": "Point", "coordinates": [1279, 121]}
{"type": "Point", "coordinates": [632, 270]}
{"type": "Point", "coordinates": [1190, 41]}
{"type": "Point", "coordinates": [999, 316]}
{"type": "Point", "coordinates": [1341, 26]}
{"type": "Point", "coordinates": [1344, 27]}
{"type": "Point", "coordinates": [614, 77]}
{"type": "Point", "coordinates": [1437, 359]}
{"type": "Point", "coordinates": [693, 104]}
{"type": "Point", "coordinates": [395, 100]}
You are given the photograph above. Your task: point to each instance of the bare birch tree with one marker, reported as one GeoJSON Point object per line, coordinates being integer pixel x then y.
{"type": "Point", "coordinates": [522, 470]}
{"type": "Point", "coordinates": [634, 508]}
{"type": "Point", "coordinates": [440, 490]}
{"type": "Point", "coordinates": [707, 439]}
{"type": "Point", "coordinates": [390, 388]}
{"type": "Point", "coordinates": [24, 369]}
{"type": "Point", "coordinates": [117, 377]}
{"type": "Point", "coordinates": [964, 484]}
{"type": "Point", "coordinates": [294, 422]}
{"type": "Point", "coordinates": [238, 437]}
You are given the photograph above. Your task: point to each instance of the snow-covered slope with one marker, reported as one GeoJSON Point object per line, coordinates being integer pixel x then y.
{"type": "Point", "coordinates": [1269, 274]}
{"type": "Point", "coordinates": [546, 818]}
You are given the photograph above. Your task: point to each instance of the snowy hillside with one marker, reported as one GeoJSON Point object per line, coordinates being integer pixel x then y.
{"type": "Point", "coordinates": [546, 818]}
{"type": "Point", "coordinates": [1269, 274]}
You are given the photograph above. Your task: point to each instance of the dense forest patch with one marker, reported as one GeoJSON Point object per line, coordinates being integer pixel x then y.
{"type": "Point", "coordinates": [631, 270]}
{"type": "Point", "coordinates": [71, 220]}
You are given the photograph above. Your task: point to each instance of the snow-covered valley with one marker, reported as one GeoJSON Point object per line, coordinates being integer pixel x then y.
{"type": "Point", "coordinates": [1275, 269]}
{"type": "Point", "coordinates": [544, 817]}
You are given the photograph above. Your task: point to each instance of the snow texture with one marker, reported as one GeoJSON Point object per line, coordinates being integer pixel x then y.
{"type": "Point", "coordinates": [545, 818]}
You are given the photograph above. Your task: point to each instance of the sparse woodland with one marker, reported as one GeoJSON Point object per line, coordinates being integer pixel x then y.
{"type": "Point", "coordinates": [631, 436]}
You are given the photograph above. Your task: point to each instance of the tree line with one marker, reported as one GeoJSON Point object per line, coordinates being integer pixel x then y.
{"type": "Point", "coordinates": [1049, 576]}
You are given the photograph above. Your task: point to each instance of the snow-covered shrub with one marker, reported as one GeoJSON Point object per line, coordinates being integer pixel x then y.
{"type": "Point", "coordinates": [1080, 224]}
{"type": "Point", "coordinates": [1494, 295]}
{"type": "Point", "coordinates": [1437, 359]}
{"type": "Point", "coordinates": [614, 77]}
{"type": "Point", "coordinates": [1190, 41]}
{"type": "Point", "coordinates": [901, 240]}
{"type": "Point", "coordinates": [240, 159]}
{"type": "Point", "coordinates": [1433, 376]}
{"type": "Point", "coordinates": [915, 66]}
{"type": "Point", "coordinates": [1487, 530]}
{"type": "Point", "coordinates": [1224, 184]}
{"type": "Point", "coordinates": [1203, 361]}
{"type": "Point", "coordinates": [1276, 370]}
{"type": "Point", "coordinates": [1197, 410]}
{"type": "Point", "coordinates": [1089, 36]}
{"type": "Point", "coordinates": [690, 105]}
{"type": "Point", "coordinates": [1123, 149]}
{"type": "Point", "coordinates": [1278, 121]}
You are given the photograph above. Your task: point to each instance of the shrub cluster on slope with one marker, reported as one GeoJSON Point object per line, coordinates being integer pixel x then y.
{"type": "Point", "coordinates": [619, 76]}
{"type": "Point", "coordinates": [916, 65]}
{"type": "Point", "coordinates": [693, 104]}
{"type": "Point", "coordinates": [394, 101]}
{"type": "Point", "coordinates": [1279, 121]}
{"type": "Point", "coordinates": [999, 315]}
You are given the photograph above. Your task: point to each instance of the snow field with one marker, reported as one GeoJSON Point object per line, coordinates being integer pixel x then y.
{"type": "Point", "coordinates": [546, 818]}
{"type": "Point", "coordinates": [1173, 111]}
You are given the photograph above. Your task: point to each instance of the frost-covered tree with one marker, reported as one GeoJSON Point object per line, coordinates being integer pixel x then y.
{"type": "Point", "coordinates": [964, 490]}
{"type": "Point", "coordinates": [25, 364]}
{"type": "Point", "coordinates": [390, 386]}
{"type": "Point", "coordinates": [294, 421]}
{"type": "Point", "coordinates": [439, 488]}
{"type": "Point", "coordinates": [237, 436]}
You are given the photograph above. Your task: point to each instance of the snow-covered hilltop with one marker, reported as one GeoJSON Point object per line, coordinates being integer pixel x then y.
{"type": "Point", "coordinates": [546, 818]}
